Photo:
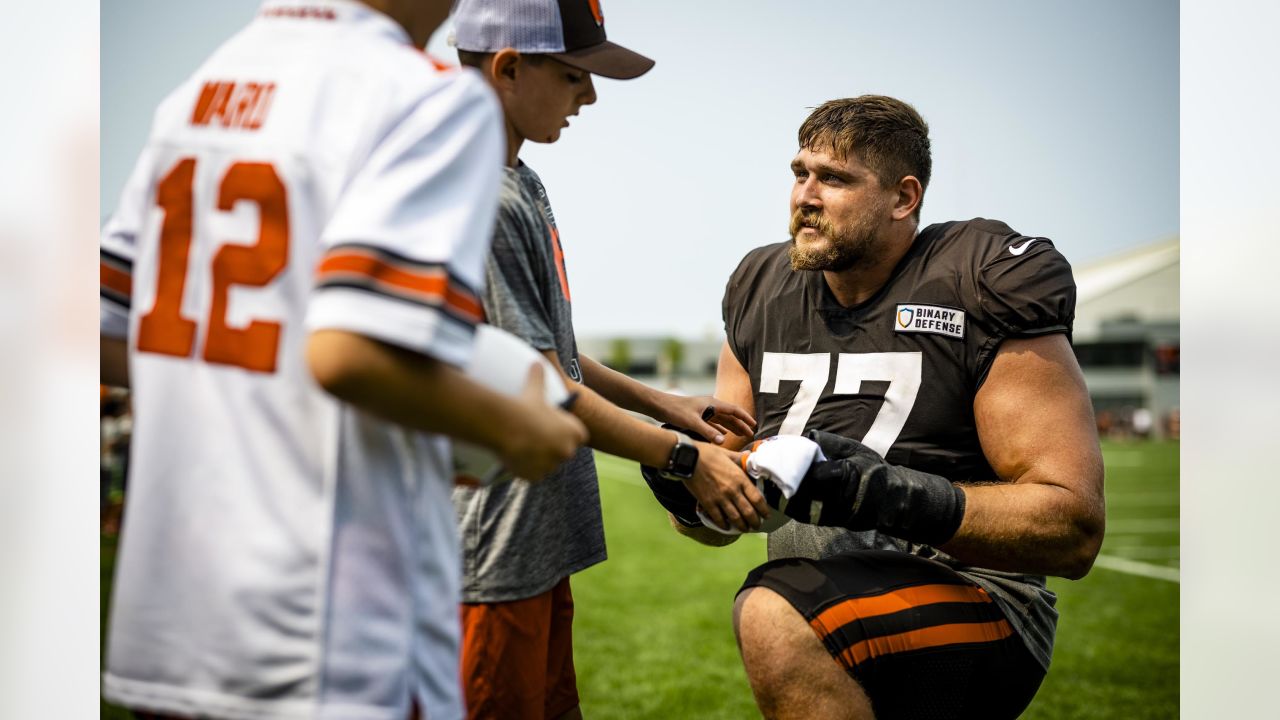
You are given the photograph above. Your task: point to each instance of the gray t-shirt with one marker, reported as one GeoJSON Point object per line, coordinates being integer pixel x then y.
{"type": "Point", "coordinates": [518, 539]}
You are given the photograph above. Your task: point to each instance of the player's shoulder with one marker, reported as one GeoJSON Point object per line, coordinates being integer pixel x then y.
{"type": "Point", "coordinates": [414, 81]}
{"type": "Point", "coordinates": [1018, 283]}
{"type": "Point", "coordinates": [763, 262]}
{"type": "Point", "coordinates": [762, 271]}
{"type": "Point", "coordinates": [980, 243]}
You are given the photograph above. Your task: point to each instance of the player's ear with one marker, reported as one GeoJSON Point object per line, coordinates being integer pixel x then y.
{"type": "Point", "coordinates": [909, 193]}
{"type": "Point", "coordinates": [503, 66]}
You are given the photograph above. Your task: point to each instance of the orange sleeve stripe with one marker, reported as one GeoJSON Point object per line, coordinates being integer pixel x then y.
{"type": "Point", "coordinates": [906, 598]}
{"type": "Point", "coordinates": [116, 280]}
{"type": "Point", "coordinates": [930, 637]}
{"type": "Point", "coordinates": [433, 283]}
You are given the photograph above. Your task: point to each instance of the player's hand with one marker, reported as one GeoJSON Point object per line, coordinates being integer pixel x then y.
{"type": "Point", "coordinates": [548, 435]}
{"type": "Point", "coordinates": [724, 492]}
{"type": "Point", "coordinates": [708, 417]}
{"type": "Point", "coordinates": [701, 534]}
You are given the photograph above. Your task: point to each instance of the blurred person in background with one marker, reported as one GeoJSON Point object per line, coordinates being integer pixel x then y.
{"type": "Point", "coordinates": [115, 432]}
{"type": "Point", "coordinates": [290, 284]}
{"type": "Point", "coordinates": [1142, 423]}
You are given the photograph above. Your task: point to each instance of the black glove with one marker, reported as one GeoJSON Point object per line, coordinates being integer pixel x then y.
{"type": "Point", "coordinates": [672, 494]}
{"type": "Point", "coordinates": [856, 489]}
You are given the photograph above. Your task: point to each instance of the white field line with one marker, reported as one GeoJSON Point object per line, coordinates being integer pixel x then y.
{"type": "Point", "coordinates": [1146, 552]}
{"type": "Point", "coordinates": [1134, 567]}
{"type": "Point", "coordinates": [1142, 499]}
{"type": "Point", "coordinates": [1142, 526]}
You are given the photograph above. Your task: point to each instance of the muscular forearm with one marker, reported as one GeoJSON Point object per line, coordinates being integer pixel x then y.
{"type": "Point", "coordinates": [1031, 527]}
{"type": "Point", "coordinates": [1035, 523]}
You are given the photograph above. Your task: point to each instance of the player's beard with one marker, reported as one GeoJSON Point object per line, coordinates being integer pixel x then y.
{"type": "Point", "coordinates": [846, 247]}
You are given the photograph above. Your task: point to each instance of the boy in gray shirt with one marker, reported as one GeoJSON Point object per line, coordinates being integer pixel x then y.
{"type": "Point", "coordinates": [521, 542]}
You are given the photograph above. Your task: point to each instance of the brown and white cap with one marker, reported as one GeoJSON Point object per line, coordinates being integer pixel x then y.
{"type": "Point", "coordinates": [571, 31]}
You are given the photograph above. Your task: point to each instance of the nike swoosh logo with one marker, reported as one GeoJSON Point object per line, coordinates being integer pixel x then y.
{"type": "Point", "coordinates": [1019, 249]}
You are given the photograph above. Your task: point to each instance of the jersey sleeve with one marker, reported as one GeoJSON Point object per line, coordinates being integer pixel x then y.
{"type": "Point", "coordinates": [404, 251]}
{"type": "Point", "coordinates": [737, 302]}
{"type": "Point", "coordinates": [514, 299]}
{"type": "Point", "coordinates": [117, 247]}
{"type": "Point", "coordinates": [1025, 290]}
{"type": "Point", "coordinates": [730, 310]}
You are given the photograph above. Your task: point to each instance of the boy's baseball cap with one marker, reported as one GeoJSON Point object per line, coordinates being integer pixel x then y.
{"type": "Point", "coordinates": [571, 31]}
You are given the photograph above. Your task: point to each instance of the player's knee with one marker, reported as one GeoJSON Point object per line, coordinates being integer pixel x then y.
{"type": "Point", "coordinates": [771, 637]}
{"type": "Point", "coordinates": [748, 609]}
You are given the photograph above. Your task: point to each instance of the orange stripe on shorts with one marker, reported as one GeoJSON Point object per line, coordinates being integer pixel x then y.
{"type": "Point", "coordinates": [852, 609]}
{"type": "Point", "coordinates": [937, 636]}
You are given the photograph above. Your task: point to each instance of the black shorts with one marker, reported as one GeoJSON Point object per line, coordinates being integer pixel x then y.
{"type": "Point", "coordinates": [920, 639]}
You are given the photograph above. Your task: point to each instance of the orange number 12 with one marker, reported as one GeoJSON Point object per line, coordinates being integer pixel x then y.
{"type": "Point", "coordinates": [164, 329]}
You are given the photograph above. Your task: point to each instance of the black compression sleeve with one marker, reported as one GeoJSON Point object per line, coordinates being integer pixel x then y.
{"type": "Point", "coordinates": [860, 491]}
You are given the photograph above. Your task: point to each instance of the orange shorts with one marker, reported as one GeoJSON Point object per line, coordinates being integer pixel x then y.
{"type": "Point", "coordinates": [517, 657]}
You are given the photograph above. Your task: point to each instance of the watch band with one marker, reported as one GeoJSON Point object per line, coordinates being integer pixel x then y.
{"type": "Point", "coordinates": [683, 459]}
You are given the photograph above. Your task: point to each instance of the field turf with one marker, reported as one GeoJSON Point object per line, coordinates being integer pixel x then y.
{"type": "Point", "coordinates": [653, 637]}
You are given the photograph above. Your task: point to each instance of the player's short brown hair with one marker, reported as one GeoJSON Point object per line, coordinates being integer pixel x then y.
{"type": "Point", "coordinates": [885, 133]}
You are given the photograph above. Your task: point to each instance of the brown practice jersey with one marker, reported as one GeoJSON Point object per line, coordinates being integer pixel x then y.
{"type": "Point", "coordinates": [899, 371]}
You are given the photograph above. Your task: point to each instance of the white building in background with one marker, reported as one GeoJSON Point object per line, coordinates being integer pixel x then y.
{"type": "Point", "coordinates": [1126, 338]}
{"type": "Point", "coordinates": [1126, 334]}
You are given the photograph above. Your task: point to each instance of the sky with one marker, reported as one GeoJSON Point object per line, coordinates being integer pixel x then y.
{"type": "Point", "coordinates": [1058, 117]}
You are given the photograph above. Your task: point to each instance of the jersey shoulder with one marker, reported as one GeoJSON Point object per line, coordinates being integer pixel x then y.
{"type": "Point", "coordinates": [763, 273]}
{"type": "Point", "coordinates": [1017, 284]}
{"type": "Point", "coordinates": [761, 269]}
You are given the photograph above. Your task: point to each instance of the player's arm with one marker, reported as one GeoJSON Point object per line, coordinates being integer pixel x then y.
{"type": "Point", "coordinates": [724, 418]}
{"type": "Point", "coordinates": [113, 363]}
{"type": "Point", "coordinates": [733, 385]}
{"type": "Point", "coordinates": [724, 491]}
{"type": "Point", "coordinates": [1036, 426]}
{"type": "Point", "coordinates": [423, 393]}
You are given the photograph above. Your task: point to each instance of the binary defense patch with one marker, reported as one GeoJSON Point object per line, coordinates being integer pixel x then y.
{"type": "Point", "coordinates": [929, 319]}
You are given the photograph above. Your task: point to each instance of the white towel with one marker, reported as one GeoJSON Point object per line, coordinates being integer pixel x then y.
{"type": "Point", "coordinates": [782, 460]}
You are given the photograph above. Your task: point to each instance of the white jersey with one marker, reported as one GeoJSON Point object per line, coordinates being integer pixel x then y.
{"type": "Point", "coordinates": [285, 555]}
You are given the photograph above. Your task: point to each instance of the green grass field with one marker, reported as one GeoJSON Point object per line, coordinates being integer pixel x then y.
{"type": "Point", "coordinates": [653, 637]}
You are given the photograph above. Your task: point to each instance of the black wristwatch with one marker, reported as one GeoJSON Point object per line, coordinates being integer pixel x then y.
{"type": "Point", "coordinates": [683, 459]}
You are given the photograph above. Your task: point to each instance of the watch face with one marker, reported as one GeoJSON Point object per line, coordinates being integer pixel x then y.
{"type": "Point", "coordinates": [684, 457]}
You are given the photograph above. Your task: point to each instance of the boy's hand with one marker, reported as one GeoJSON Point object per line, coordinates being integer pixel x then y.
{"type": "Point", "coordinates": [724, 492]}
{"type": "Point", "coordinates": [708, 417]}
{"type": "Point", "coordinates": [546, 437]}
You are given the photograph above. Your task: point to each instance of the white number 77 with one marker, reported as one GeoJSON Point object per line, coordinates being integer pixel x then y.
{"type": "Point", "coordinates": [900, 369]}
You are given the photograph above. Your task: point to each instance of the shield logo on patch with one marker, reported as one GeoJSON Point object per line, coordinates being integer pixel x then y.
{"type": "Point", "coordinates": [904, 317]}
